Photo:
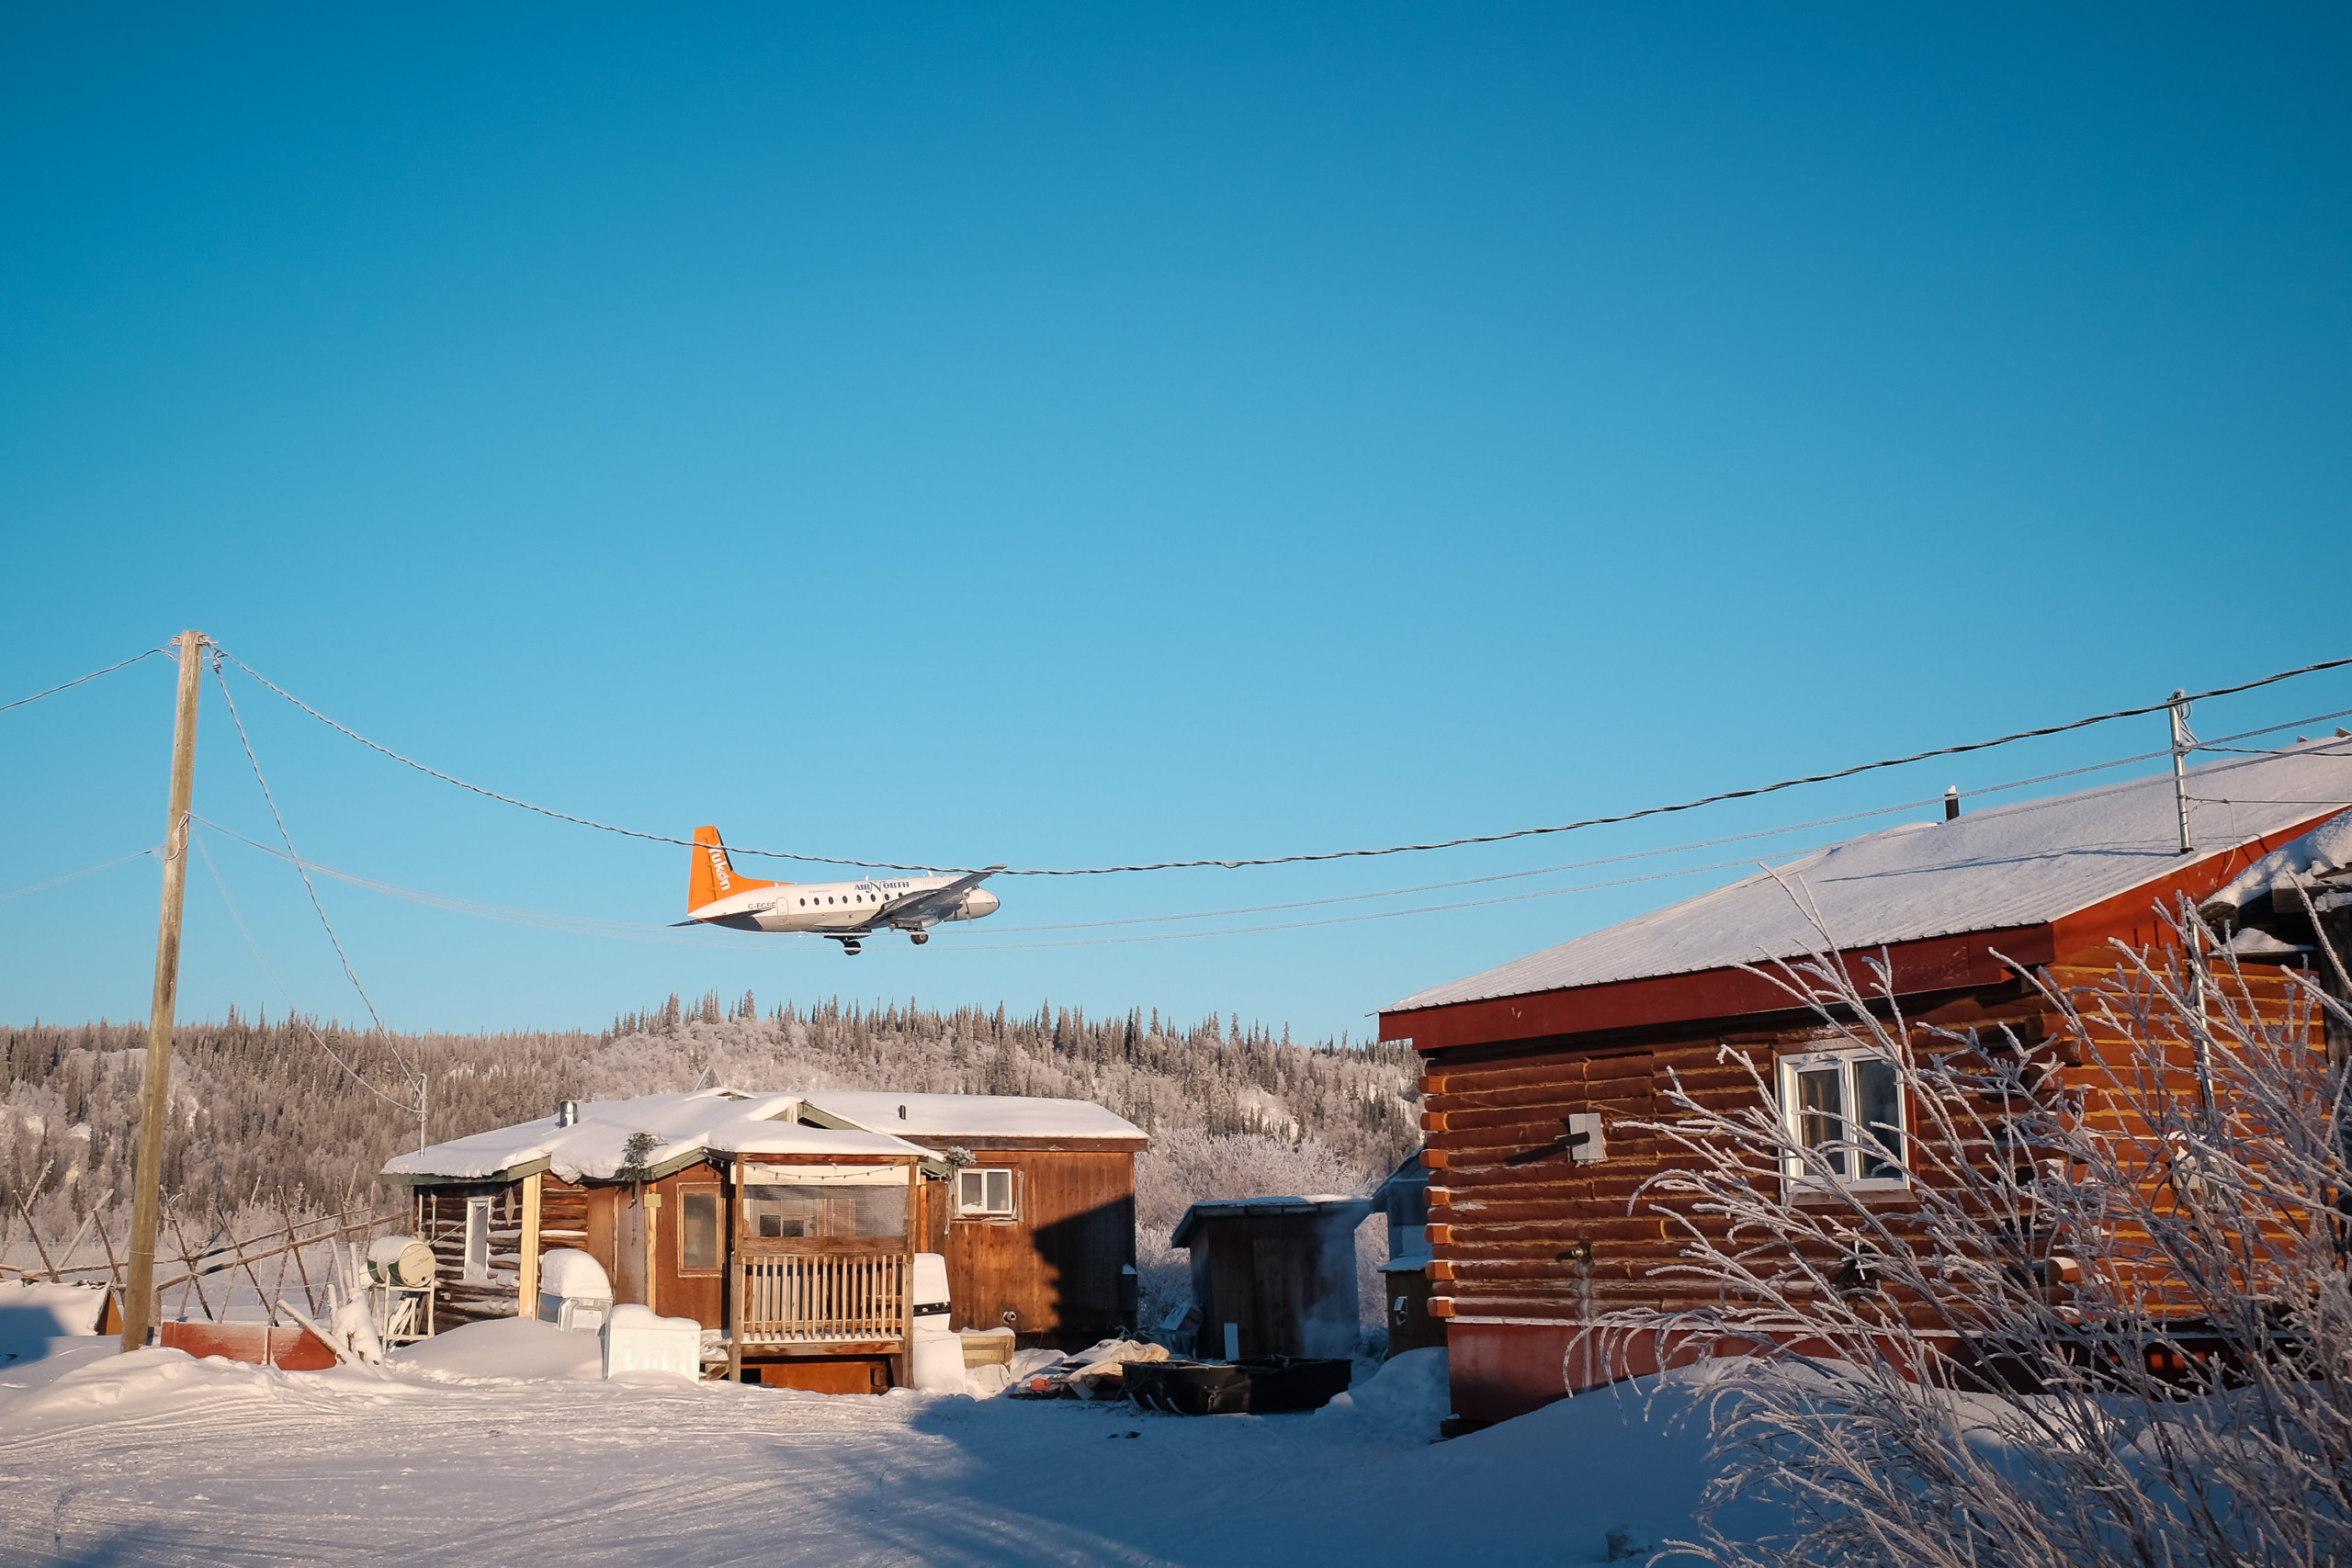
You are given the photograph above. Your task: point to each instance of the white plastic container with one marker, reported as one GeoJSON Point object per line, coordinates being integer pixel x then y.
{"type": "Point", "coordinates": [573, 1291]}
{"type": "Point", "coordinates": [937, 1356]}
{"type": "Point", "coordinates": [637, 1340]}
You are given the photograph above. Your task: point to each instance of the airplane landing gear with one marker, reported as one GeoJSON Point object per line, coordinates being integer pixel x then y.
{"type": "Point", "coordinates": [852, 949]}
{"type": "Point", "coordinates": [919, 938]}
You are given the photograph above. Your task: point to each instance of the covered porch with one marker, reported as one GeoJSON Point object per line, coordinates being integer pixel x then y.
{"type": "Point", "coordinates": [820, 1271]}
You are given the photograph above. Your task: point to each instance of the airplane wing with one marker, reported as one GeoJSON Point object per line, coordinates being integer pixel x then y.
{"type": "Point", "coordinates": [935, 903]}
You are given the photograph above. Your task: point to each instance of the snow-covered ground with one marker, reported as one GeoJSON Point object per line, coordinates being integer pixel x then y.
{"type": "Point", "coordinates": [501, 1444]}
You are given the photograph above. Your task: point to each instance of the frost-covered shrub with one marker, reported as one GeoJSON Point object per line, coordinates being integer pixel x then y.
{"type": "Point", "coordinates": [2116, 1328]}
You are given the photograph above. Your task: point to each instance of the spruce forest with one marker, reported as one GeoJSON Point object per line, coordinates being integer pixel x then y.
{"type": "Point", "coordinates": [263, 1113]}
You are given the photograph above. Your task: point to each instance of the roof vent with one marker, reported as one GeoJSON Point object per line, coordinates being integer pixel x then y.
{"type": "Point", "coordinates": [902, 1113]}
{"type": "Point", "coordinates": [567, 1112]}
{"type": "Point", "coordinates": [1951, 802]}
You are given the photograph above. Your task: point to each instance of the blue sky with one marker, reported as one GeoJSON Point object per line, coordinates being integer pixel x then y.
{"type": "Point", "coordinates": [1070, 437]}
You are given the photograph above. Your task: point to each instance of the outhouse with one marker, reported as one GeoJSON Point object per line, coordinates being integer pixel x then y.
{"type": "Point", "coordinates": [1274, 1276]}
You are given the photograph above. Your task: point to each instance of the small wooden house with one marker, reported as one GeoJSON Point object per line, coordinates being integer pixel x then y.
{"type": "Point", "coordinates": [1532, 1068]}
{"type": "Point", "coordinates": [1274, 1276]}
{"type": "Point", "coordinates": [786, 1228]}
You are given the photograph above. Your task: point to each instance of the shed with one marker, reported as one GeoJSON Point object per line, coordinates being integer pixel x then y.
{"type": "Point", "coordinates": [1275, 1276]}
{"type": "Point", "coordinates": [1530, 1069]}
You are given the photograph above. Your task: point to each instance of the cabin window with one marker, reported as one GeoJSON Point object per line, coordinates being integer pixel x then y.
{"type": "Point", "coordinates": [1843, 1110]}
{"type": "Point", "coordinates": [984, 1194]}
{"type": "Point", "coordinates": [476, 1268]}
{"type": "Point", "coordinates": [698, 1238]}
{"type": "Point", "coordinates": [781, 1212]}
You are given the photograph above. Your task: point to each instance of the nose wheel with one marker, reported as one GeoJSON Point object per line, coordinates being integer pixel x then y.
{"type": "Point", "coordinates": [919, 938]}
{"type": "Point", "coordinates": [852, 949]}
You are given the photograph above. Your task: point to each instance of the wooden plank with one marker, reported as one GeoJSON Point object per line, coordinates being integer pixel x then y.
{"type": "Point", "coordinates": [820, 1246]}
{"type": "Point", "coordinates": [527, 1279]}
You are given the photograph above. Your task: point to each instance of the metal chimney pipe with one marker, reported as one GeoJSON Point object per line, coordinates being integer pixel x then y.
{"type": "Point", "coordinates": [1951, 802]}
{"type": "Point", "coordinates": [567, 1112]}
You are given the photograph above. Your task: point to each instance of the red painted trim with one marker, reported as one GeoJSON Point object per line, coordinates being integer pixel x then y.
{"type": "Point", "coordinates": [1939, 964]}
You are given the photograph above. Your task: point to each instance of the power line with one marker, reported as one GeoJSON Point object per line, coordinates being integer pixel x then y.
{"type": "Point", "coordinates": [69, 685]}
{"type": "Point", "coordinates": [1635, 816]}
{"type": "Point", "coordinates": [636, 932]}
{"type": "Point", "coordinates": [292, 1011]}
{"type": "Point", "coordinates": [77, 876]}
{"type": "Point", "coordinates": [348, 972]}
{"type": "Point", "coordinates": [575, 925]}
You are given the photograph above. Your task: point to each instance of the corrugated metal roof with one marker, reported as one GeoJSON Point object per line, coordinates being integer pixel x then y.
{"type": "Point", "coordinates": [973, 1115]}
{"type": "Point", "coordinates": [2011, 865]}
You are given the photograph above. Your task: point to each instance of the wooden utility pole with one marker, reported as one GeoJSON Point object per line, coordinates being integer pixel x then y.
{"type": "Point", "coordinates": [2181, 742]}
{"type": "Point", "coordinates": [139, 1290]}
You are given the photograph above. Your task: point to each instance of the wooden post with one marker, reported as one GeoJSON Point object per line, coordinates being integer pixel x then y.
{"type": "Point", "coordinates": [651, 1199]}
{"type": "Point", "coordinates": [139, 1292]}
{"type": "Point", "coordinates": [2181, 742]}
{"type": "Point", "coordinates": [902, 1365]}
{"type": "Point", "coordinates": [526, 1283]}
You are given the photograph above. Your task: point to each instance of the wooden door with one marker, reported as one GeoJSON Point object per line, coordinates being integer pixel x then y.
{"type": "Point", "coordinates": [1278, 1297]}
{"type": "Point", "coordinates": [628, 1247]}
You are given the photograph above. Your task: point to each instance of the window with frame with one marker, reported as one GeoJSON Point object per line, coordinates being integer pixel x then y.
{"type": "Point", "coordinates": [701, 1244]}
{"type": "Point", "coordinates": [476, 1269]}
{"type": "Point", "coordinates": [782, 1210]}
{"type": "Point", "coordinates": [986, 1194]}
{"type": "Point", "coordinates": [1843, 1109]}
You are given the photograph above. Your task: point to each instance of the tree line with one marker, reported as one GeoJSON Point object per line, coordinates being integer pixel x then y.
{"type": "Point", "coordinates": [259, 1109]}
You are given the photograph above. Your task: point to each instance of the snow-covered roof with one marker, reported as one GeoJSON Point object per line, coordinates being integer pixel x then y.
{"type": "Point", "coordinates": [685, 1127]}
{"type": "Point", "coordinates": [2323, 854]}
{"type": "Point", "coordinates": [2006, 866]}
{"type": "Point", "coordinates": [945, 1116]}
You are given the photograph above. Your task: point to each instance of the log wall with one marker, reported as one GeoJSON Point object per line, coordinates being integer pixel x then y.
{"type": "Point", "coordinates": [1526, 1249]}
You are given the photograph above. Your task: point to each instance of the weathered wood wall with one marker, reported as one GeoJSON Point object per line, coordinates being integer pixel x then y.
{"type": "Point", "coordinates": [1060, 1274]}
{"type": "Point", "coordinates": [1286, 1283]}
{"type": "Point", "coordinates": [441, 1221]}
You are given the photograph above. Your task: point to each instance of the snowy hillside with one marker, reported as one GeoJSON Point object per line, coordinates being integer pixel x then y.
{"type": "Point", "coordinates": [1233, 1111]}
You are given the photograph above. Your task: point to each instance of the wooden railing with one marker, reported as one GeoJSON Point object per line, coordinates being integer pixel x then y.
{"type": "Point", "coordinates": [814, 1293]}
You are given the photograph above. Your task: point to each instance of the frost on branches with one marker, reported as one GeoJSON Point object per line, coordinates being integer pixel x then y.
{"type": "Point", "coordinates": [2107, 1322]}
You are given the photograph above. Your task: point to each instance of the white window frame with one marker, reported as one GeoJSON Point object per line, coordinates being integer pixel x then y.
{"type": "Point", "coordinates": [984, 1210]}
{"type": "Point", "coordinates": [1801, 1174]}
{"type": "Point", "coordinates": [475, 1269]}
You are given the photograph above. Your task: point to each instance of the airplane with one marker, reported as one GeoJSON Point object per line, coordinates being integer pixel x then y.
{"type": "Point", "coordinates": [846, 912]}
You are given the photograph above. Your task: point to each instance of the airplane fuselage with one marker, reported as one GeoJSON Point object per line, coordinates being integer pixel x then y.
{"type": "Point", "coordinates": [837, 906]}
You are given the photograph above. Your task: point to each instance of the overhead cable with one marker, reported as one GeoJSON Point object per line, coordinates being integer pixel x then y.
{"type": "Point", "coordinates": [584, 925]}
{"type": "Point", "coordinates": [1516, 833]}
{"type": "Point", "coordinates": [77, 876]}
{"type": "Point", "coordinates": [69, 685]}
{"type": "Point", "coordinates": [292, 1011]}
{"type": "Point", "coordinates": [348, 972]}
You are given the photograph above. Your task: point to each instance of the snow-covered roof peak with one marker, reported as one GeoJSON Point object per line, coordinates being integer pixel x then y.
{"type": "Point", "coordinates": [1007, 1116]}
{"type": "Point", "coordinates": [718, 1121]}
{"type": "Point", "coordinates": [2023, 864]}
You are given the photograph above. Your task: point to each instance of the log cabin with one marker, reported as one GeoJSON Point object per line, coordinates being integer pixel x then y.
{"type": "Point", "coordinates": [786, 1228]}
{"type": "Point", "coordinates": [1531, 1070]}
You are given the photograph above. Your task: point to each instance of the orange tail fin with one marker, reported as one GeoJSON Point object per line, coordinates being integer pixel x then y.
{"type": "Point", "coordinates": [710, 877]}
